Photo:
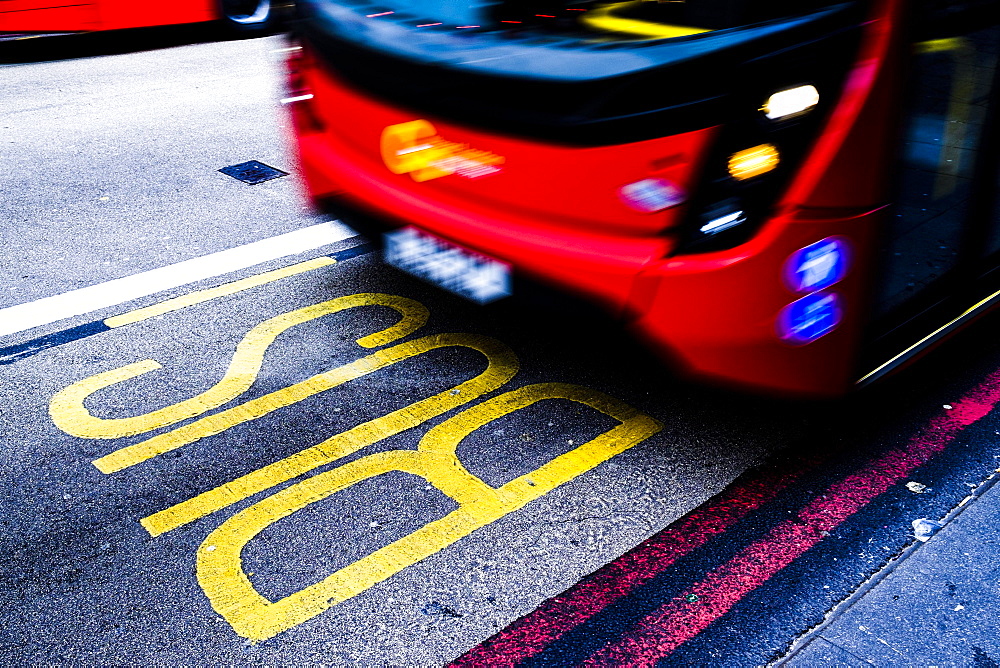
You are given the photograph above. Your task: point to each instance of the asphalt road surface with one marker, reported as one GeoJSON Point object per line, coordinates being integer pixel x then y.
{"type": "Point", "coordinates": [288, 453]}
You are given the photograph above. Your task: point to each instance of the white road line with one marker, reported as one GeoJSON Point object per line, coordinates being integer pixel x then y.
{"type": "Point", "coordinates": [22, 317]}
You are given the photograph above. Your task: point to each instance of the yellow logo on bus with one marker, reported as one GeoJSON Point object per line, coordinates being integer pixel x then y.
{"type": "Point", "coordinates": [415, 148]}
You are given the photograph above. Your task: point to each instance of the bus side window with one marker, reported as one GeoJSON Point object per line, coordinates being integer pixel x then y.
{"type": "Point", "coordinates": [951, 88]}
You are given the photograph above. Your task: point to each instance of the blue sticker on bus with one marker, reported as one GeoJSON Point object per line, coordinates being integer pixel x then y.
{"type": "Point", "coordinates": [809, 318]}
{"type": "Point", "coordinates": [818, 265]}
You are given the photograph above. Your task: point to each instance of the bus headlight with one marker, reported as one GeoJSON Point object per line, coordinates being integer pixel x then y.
{"type": "Point", "coordinates": [723, 216]}
{"type": "Point", "coordinates": [791, 102]}
{"type": "Point", "coordinates": [752, 162]}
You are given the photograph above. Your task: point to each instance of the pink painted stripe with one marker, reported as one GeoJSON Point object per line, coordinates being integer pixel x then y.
{"type": "Point", "coordinates": [535, 631]}
{"type": "Point", "coordinates": [676, 622]}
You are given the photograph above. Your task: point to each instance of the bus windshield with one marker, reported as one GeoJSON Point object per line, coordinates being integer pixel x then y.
{"type": "Point", "coordinates": [632, 19]}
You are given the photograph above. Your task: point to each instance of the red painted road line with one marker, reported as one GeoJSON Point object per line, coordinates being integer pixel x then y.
{"type": "Point", "coordinates": [676, 622]}
{"type": "Point", "coordinates": [535, 631]}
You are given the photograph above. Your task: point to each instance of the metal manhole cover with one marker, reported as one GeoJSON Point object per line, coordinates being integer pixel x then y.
{"type": "Point", "coordinates": [253, 172]}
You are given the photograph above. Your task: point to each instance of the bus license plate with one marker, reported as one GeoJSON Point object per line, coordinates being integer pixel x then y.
{"type": "Point", "coordinates": [448, 266]}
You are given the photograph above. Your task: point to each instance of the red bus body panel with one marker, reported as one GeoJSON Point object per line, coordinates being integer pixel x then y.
{"type": "Point", "coordinates": [68, 16]}
{"type": "Point", "coordinates": [717, 313]}
{"type": "Point", "coordinates": [553, 213]}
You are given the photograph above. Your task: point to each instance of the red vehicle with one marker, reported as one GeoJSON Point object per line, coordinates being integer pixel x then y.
{"type": "Point", "coordinates": [51, 16]}
{"type": "Point", "coordinates": [781, 196]}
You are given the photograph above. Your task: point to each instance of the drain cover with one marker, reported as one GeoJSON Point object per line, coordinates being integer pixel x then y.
{"type": "Point", "coordinates": [253, 172]}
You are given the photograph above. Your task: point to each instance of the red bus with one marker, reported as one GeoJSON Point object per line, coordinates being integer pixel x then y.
{"type": "Point", "coordinates": [53, 16]}
{"type": "Point", "coordinates": [785, 196]}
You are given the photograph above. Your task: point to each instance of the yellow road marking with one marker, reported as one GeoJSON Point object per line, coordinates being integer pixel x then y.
{"type": "Point", "coordinates": [603, 18]}
{"type": "Point", "coordinates": [232, 595]}
{"type": "Point", "coordinates": [219, 566]}
{"type": "Point", "coordinates": [200, 296]}
{"type": "Point", "coordinates": [501, 366]}
{"type": "Point", "coordinates": [69, 413]}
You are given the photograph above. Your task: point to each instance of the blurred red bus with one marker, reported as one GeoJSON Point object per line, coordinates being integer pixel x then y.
{"type": "Point", "coordinates": [51, 16]}
{"type": "Point", "coordinates": [786, 196]}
